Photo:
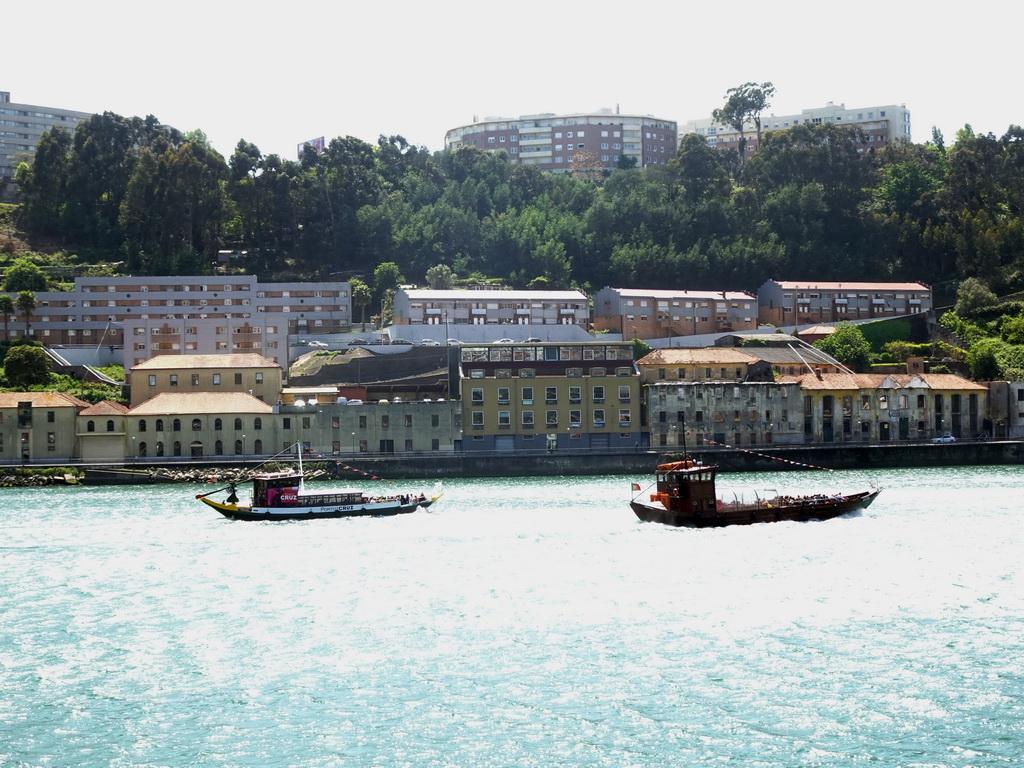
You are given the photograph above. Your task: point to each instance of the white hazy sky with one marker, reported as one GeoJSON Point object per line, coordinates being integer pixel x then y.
{"type": "Point", "coordinates": [279, 73]}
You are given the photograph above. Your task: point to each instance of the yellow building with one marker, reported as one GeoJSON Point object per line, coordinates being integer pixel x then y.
{"type": "Point", "coordinates": [573, 396]}
{"type": "Point", "coordinates": [38, 426]}
{"type": "Point", "coordinates": [247, 372]}
{"type": "Point", "coordinates": [200, 425]}
{"type": "Point", "coordinates": [701, 364]}
{"type": "Point", "coordinates": [103, 432]}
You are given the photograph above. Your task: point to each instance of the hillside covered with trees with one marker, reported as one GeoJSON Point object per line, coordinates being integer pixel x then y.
{"type": "Point", "coordinates": [816, 202]}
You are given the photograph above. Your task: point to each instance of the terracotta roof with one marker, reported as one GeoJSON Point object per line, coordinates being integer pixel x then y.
{"type": "Point", "coordinates": [40, 400]}
{"type": "Point", "coordinates": [171, 362]}
{"type": "Point", "coordinates": [825, 285]}
{"type": "Point", "coordinates": [104, 408]}
{"type": "Point", "coordinates": [943, 381]}
{"type": "Point", "coordinates": [695, 356]}
{"type": "Point", "coordinates": [637, 293]}
{"type": "Point", "coordinates": [488, 295]}
{"type": "Point", "coordinates": [170, 403]}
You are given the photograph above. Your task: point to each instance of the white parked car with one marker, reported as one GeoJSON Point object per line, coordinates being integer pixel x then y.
{"type": "Point", "coordinates": [504, 341]}
{"type": "Point", "coordinates": [428, 343]}
{"type": "Point", "coordinates": [946, 438]}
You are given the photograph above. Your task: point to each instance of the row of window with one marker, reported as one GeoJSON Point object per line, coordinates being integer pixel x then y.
{"type": "Point", "coordinates": [551, 419]}
{"type": "Point", "coordinates": [215, 378]}
{"type": "Point", "coordinates": [575, 395]}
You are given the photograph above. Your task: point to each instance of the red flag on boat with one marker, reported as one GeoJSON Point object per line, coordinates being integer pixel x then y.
{"type": "Point", "coordinates": [636, 486]}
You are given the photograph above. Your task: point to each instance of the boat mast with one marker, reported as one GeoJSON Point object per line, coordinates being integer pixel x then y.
{"type": "Point", "coordinates": [302, 475]}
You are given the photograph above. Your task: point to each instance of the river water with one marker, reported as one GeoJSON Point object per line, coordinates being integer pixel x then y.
{"type": "Point", "coordinates": [518, 623]}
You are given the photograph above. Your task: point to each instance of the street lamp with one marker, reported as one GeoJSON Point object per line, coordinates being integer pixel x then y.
{"type": "Point", "coordinates": [353, 443]}
{"type": "Point", "coordinates": [243, 449]}
{"type": "Point", "coordinates": [135, 456]}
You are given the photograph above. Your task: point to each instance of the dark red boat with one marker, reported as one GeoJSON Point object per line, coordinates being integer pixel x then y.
{"type": "Point", "coordinates": [686, 496]}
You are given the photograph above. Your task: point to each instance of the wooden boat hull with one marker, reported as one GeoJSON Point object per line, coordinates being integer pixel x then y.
{"type": "Point", "coordinates": [655, 512]}
{"type": "Point", "coordinates": [240, 512]}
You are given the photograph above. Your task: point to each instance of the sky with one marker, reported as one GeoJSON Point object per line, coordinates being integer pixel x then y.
{"type": "Point", "coordinates": [276, 74]}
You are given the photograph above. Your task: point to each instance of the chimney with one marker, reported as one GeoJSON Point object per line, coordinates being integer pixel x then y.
{"type": "Point", "coordinates": [817, 372]}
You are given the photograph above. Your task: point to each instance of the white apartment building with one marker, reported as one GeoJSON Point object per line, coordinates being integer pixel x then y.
{"type": "Point", "coordinates": [883, 124]}
{"type": "Point", "coordinates": [415, 306]}
{"type": "Point", "coordinates": [195, 315]}
{"type": "Point", "coordinates": [21, 126]}
{"type": "Point", "coordinates": [560, 143]}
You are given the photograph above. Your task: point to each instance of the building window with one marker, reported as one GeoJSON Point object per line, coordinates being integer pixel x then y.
{"type": "Point", "coordinates": [504, 395]}
{"type": "Point", "coordinates": [195, 379]}
{"type": "Point", "coordinates": [551, 418]}
{"type": "Point", "coordinates": [216, 379]}
{"type": "Point", "coordinates": [625, 417]}
{"type": "Point", "coordinates": [528, 418]}
{"type": "Point", "coordinates": [528, 395]}
{"type": "Point", "coordinates": [551, 395]}
{"type": "Point", "coordinates": [624, 394]}
{"type": "Point", "coordinates": [476, 396]}
{"type": "Point", "coordinates": [599, 394]}
{"type": "Point", "coordinates": [477, 419]}
{"type": "Point", "coordinates": [197, 425]}
{"type": "Point", "coordinates": [152, 380]}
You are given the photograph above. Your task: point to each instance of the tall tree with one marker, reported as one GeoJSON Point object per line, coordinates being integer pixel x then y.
{"type": "Point", "coordinates": [26, 304]}
{"type": "Point", "coordinates": [744, 104]}
{"type": "Point", "coordinates": [7, 309]}
{"type": "Point", "coordinates": [361, 297]}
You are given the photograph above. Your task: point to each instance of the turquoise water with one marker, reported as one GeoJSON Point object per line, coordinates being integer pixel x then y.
{"type": "Point", "coordinates": [518, 623]}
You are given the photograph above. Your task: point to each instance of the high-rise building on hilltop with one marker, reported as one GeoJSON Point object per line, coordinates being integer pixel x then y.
{"type": "Point", "coordinates": [21, 126]}
{"type": "Point", "coordinates": [564, 143]}
{"type": "Point", "coordinates": [883, 125]}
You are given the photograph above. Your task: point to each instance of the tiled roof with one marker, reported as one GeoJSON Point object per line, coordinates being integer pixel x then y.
{"type": "Point", "coordinates": [104, 408]}
{"type": "Point", "coordinates": [40, 400]}
{"type": "Point", "coordinates": [170, 403]}
{"type": "Point", "coordinates": [824, 285]}
{"type": "Point", "coordinates": [637, 293]}
{"type": "Point", "coordinates": [494, 296]}
{"type": "Point", "coordinates": [943, 381]}
{"type": "Point", "coordinates": [178, 362]}
{"type": "Point", "coordinates": [692, 356]}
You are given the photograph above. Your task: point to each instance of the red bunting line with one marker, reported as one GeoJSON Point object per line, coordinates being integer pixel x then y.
{"type": "Point", "coordinates": [364, 474]}
{"type": "Point", "coordinates": [773, 458]}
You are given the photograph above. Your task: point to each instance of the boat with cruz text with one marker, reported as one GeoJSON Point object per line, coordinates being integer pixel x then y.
{"type": "Point", "coordinates": [282, 495]}
{"type": "Point", "coordinates": [685, 495]}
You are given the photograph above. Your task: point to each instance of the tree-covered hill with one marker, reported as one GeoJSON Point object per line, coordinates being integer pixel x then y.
{"type": "Point", "coordinates": [815, 202]}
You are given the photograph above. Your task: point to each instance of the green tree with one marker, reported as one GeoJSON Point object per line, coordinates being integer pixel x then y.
{"type": "Point", "coordinates": [26, 365]}
{"type": "Point", "coordinates": [973, 296]}
{"type": "Point", "coordinates": [7, 309]}
{"type": "Point", "coordinates": [847, 345]}
{"type": "Point", "coordinates": [440, 277]}
{"type": "Point", "coordinates": [744, 104]}
{"type": "Point", "coordinates": [361, 297]}
{"type": "Point", "coordinates": [26, 304]}
{"type": "Point", "coordinates": [984, 359]}
{"type": "Point", "coordinates": [23, 275]}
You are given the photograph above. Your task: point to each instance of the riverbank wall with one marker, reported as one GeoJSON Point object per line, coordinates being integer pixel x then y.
{"type": "Point", "coordinates": [640, 462]}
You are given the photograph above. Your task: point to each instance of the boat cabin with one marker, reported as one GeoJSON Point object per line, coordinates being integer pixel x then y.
{"type": "Point", "coordinates": [282, 489]}
{"type": "Point", "coordinates": [686, 486]}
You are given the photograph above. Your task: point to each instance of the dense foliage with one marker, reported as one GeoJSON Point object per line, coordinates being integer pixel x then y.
{"type": "Point", "coordinates": [816, 202]}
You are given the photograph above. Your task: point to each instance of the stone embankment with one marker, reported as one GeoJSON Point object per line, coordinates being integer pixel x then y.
{"type": "Point", "coordinates": [208, 475]}
{"type": "Point", "coordinates": [35, 479]}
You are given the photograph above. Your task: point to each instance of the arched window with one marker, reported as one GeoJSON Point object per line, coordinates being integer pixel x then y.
{"type": "Point", "coordinates": [218, 425]}
{"type": "Point", "coordinates": [90, 426]}
{"type": "Point", "coordinates": [197, 425]}
{"type": "Point", "coordinates": [160, 448]}
{"type": "Point", "coordinates": [142, 449]}
{"type": "Point", "coordinates": [257, 447]}
{"type": "Point", "coordinates": [177, 448]}
{"type": "Point", "coordinates": [257, 423]}
{"type": "Point", "coordinates": [218, 448]}
{"type": "Point", "coordinates": [176, 427]}
{"type": "Point", "coordinates": [197, 449]}
{"type": "Point", "coordinates": [142, 425]}
{"type": "Point", "coordinates": [159, 425]}
{"type": "Point", "coordinates": [238, 448]}
{"type": "Point", "coordinates": [238, 425]}
{"type": "Point", "coordinates": [110, 425]}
